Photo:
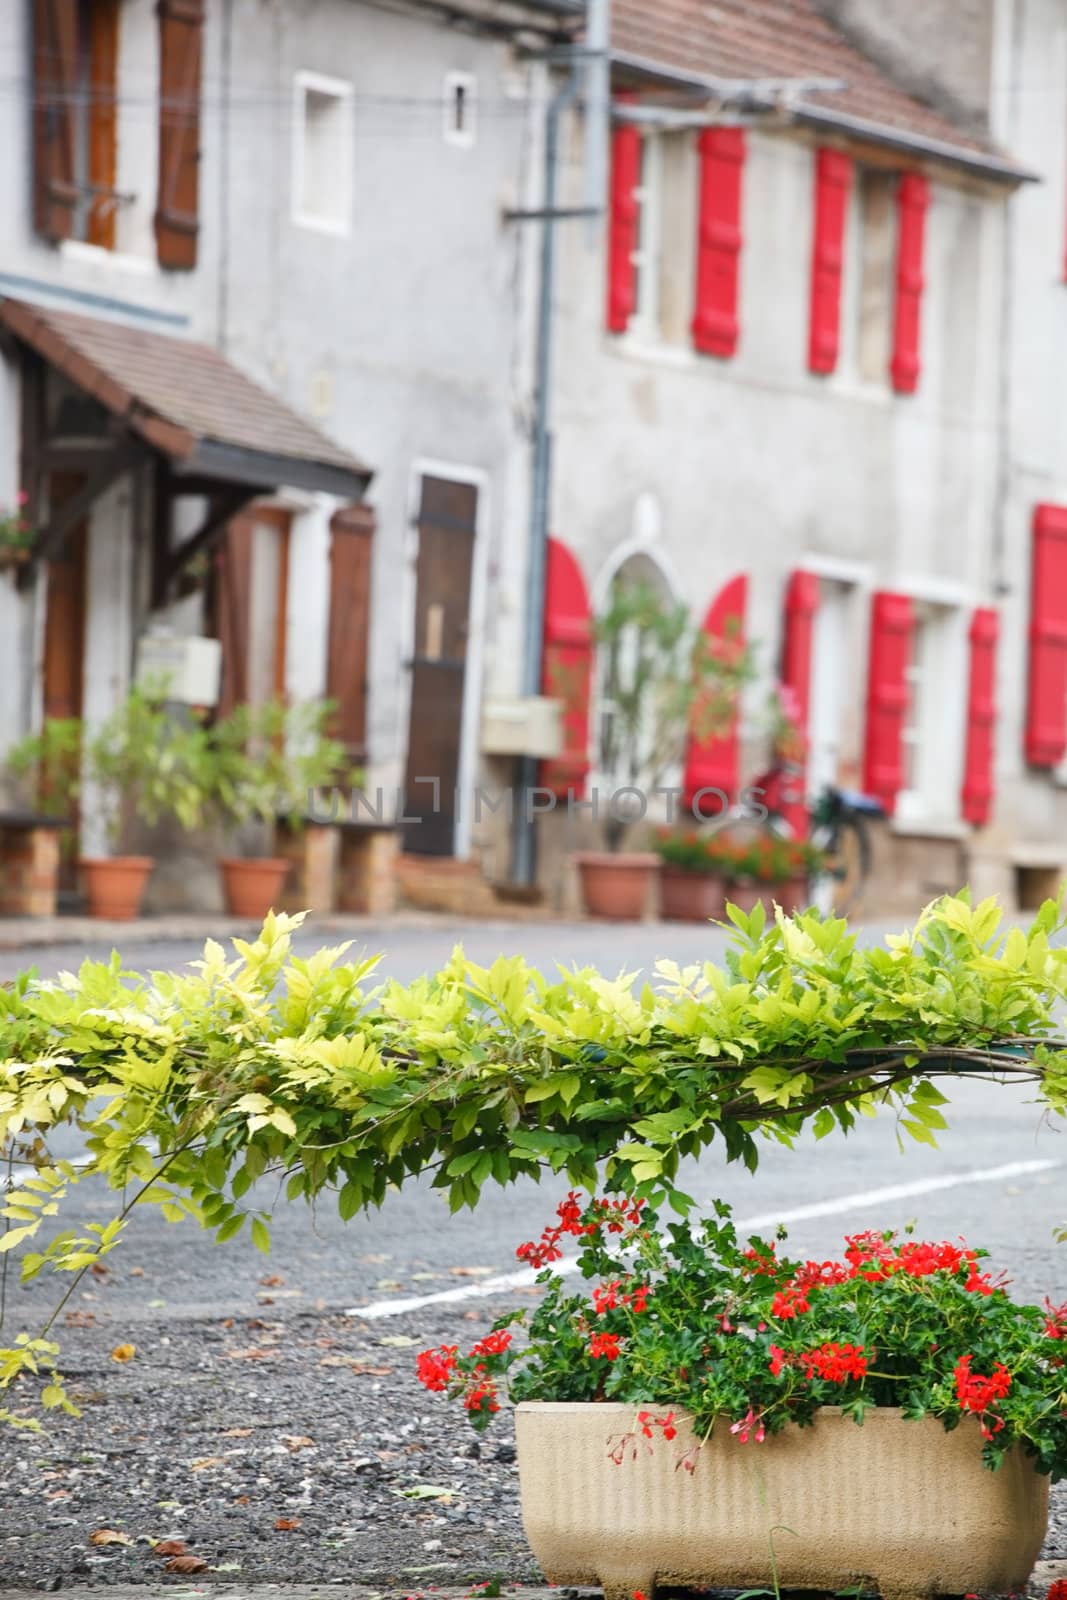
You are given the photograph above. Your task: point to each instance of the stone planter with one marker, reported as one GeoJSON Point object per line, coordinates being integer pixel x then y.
{"type": "Point", "coordinates": [791, 894]}
{"type": "Point", "coordinates": [902, 1506]}
{"type": "Point", "coordinates": [690, 896]}
{"type": "Point", "coordinates": [617, 887]}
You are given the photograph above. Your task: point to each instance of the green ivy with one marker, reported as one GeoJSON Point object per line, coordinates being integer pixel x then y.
{"type": "Point", "coordinates": [190, 1086]}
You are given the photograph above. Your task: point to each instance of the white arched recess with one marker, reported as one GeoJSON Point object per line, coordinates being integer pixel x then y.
{"type": "Point", "coordinates": [641, 557]}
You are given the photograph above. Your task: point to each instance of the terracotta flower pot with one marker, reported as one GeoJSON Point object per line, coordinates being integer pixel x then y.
{"type": "Point", "coordinates": [791, 894]}
{"type": "Point", "coordinates": [252, 888]}
{"type": "Point", "coordinates": [616, 886]}
{"type": "Point", "coordinates": [115, 885]}
{"type": "Point", "coordinates": [745, 896]}
{"type": "Point", "coordinates": [901, 1503]}
{"type": "Point", "coordinates": [691, 896]}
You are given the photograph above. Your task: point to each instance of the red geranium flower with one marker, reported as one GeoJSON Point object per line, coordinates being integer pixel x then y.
{"type": "Point", "coordinates": [604, 1344]}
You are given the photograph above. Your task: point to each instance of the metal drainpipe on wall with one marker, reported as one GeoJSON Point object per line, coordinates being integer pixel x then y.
{"type": "Point", "coordinates": [593, 59]}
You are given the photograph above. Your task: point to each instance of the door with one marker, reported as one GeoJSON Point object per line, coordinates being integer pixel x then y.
{"type": "Point", "coordinates": [446, 524]}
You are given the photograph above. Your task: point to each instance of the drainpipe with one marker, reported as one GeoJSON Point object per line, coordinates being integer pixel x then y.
{"type": "Point", "coordinates": [524, 827]}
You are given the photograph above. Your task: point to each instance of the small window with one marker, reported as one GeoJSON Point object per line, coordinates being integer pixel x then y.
{"type": "Point", "coordinates": [875, 275]}
{"type": "Point", "coordinates": [461, 109]}
{"type": "Point", "coordinates": [647, 257]}
{"type": "Point", "coordinates": [75, 112]}
{"type": "Point", "coordinates": [322, 153]}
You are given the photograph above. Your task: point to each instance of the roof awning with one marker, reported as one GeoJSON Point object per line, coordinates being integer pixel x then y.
{"type": "Point", "coordinates": [187, 402]}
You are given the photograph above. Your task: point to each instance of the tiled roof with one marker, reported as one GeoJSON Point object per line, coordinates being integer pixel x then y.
{"type": "Point", "coordinates": [751, 39]}
{"type": "Point", "coordinates": [176, 394]}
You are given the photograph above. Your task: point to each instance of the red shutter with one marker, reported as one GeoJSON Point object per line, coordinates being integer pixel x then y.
{"type": "Point", "coordinates": [622, 226]}
{"type": "Point", "coordinates": [892, 629]}
{"type": "Point", "coordinates": [712, 763]}
{"type": "Point", "coordinates": [1046, 709]}
{"type": "Point", "coordinates": [981, 717]}
{"type": "Point", "coordinates": [722, 158]}
{"type": "Point", "coordinates": [347, 637]}
{"type": "Point", "coordinates": [567, 668]}
{"type": "Point", "coordinates": [181, 26]}
{"type": "Point", "coordinates": [913, 197]}
{"type": "Point", "coordinates": [833, 181]}
{"type": "Point", "coordinates": [801, 604]}
{"type": "Point", "coordinates": [55, 97]}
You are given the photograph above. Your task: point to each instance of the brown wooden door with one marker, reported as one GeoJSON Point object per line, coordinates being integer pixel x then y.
{"type": "Point", "coordinates": [446, 523]}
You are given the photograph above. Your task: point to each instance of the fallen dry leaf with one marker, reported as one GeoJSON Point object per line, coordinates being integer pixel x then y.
{"type": "Point", "coordinates": [98, 1269]}
{"type": "Point", "coordinates": [136, 1272]}
{"type": "Point", "coordinates": [471, 1272]}
{"type": "Point", "coordinates": [287, 1524]}
{"type": "Point", "coordinates": [298, 1441]}
{"type": "Point", "coordinates": [109, 1536]}
{"type": "Point", "coordinates": [204, 1462]}
{"type": "Point", "coordinates": [255, 1353]}
{"type": "Point", "coordinates": [185, 1564]}
{"type": "Point", "coordinates": [273, 1280]}
{"type": "Point", "coordinates": [169, 1547]}
{"type": "Point", "coordinates": [364, 1369]}
{"type": "Point", "coordinates": [80, 1319]}
{"type": "Point", "coordinates": [124, 1352]}
{"type": "Point", "coordinates": [243, 1500]}
{"type": "Point", "coordinates": [235, 1433]}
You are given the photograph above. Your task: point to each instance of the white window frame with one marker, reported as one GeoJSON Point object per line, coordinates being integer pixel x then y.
{"type": "Point", "coordinates": [343, 91]}
{"type": "Point", "coordinates": [647, 257]}
{"type": "Point", "coordinates": [462, 138]}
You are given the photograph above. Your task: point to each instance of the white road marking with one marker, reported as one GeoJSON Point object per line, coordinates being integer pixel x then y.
{"type": "Point", "coordinates": [838, 1206]}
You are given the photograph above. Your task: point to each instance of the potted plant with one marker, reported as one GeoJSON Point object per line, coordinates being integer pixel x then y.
{"type": "Point", "coordinates": [768, 869]}
{"type": "Point", "coordinates": [664, 680]}
{"type": "Point", "coordinates": [706, 1411]}
{"type": "Point", "coordinates": [138, 764]}
{"type": "Point", "coordinates": [694, 865]}
{"type": "Point", "coordinates": [16, 534]}
{"type": "Point", "coordinates": [261, 763]}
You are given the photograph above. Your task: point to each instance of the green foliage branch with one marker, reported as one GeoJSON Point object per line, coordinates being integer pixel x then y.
{"type": "Point", "coordinates": [189, 1087]}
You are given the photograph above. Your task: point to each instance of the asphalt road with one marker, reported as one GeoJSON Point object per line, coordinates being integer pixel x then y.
{"type": "Point", "coordinates": [998, 1178]}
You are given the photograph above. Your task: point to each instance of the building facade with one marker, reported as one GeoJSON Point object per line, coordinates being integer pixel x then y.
{"type": "Point", "coordinates": [806, 379]}
{"type": "Point", "coordinates": [278, 229]}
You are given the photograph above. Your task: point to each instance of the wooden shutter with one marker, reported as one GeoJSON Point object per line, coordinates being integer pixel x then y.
{"type": "Point", "coordinates": [913, 197]}
{"type": "Point", "coordinates": [892, 631]}
{"type": "Point", "coordinates": [177, 206]}
{"type": "Point", "coordinates": [801, 604]}
{"type": "Point", "coordinates": [349, 628]}
{"type": "Point", "coordinates": [977, 796]}
{"type": "Point", "coordinates": [833, 182]}
{"type": "Point", "coordinates": [715, 324]}
{"type": "Point", "coordinates": [233, 611]}
{"type": "Point", "coordinates": [567, 668]}
{"type": "Point", "coordinates": [1046, 709]}
{"type": "Point", "coordinates": [712, 763]}
{"type": "Point", "coordinates": [55, 89]}
{"type": "Point", "coordinates": [622, 226]}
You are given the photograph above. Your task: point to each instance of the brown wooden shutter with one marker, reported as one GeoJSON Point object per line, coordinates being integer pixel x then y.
{"type": "Point", "coordinates": [103, 121]}
{"type": "Point", "coordinates": [349, 630]}
{"type": "Point", "coordinates": [233, 598]}
{"type": "Point", "coordinates": [181, 25]}
{"type": "Point", "coordinates": [55, 88]}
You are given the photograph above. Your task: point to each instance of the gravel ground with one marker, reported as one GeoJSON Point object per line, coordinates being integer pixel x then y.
{"type": "Point", "coordinates": [282, 1447]}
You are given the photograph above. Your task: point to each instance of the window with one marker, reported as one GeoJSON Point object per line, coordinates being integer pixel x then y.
{"type": "Point", "coordinates": [75, 55]}
{"type": "Point", "coordinates": [874, 262]}
{"type": "Point", "coordinates": [322, 153]}
{"type": "Point", "coordinates": [461, 109]}
{"type": "Point", "coordinates": [931, 756]}
{"type": "Point", "coordinates": [626, 733]}
{"type": "Point", "coordinates": [647, 256]}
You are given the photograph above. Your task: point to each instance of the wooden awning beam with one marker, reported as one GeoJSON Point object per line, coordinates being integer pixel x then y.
{"type": "Point", "coordinates": [64, 518]}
